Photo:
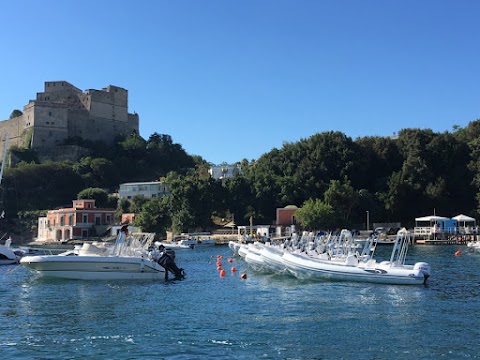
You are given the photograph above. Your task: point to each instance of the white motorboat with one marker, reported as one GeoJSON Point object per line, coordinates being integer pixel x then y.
{"type": "Point", "coordinates": [186, 243]}
{"type": "Point", "coordinates": [129, 258]}
{"type": "Point", "coordinates": [9, 255]}
{"type": "Point", "coordinates": [474, 246]}
{"type": "Point", "coordinates": [352, 266]}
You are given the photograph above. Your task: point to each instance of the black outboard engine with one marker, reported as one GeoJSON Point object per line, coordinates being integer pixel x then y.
{"type": "Point", "coordinates": [167, 260]}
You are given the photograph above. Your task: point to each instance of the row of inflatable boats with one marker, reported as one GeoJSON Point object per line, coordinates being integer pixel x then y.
{"type": "Point", "coordinates": [334, 257]}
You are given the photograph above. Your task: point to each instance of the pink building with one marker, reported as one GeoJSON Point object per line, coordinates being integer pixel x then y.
{"type": "Point", "coordinates": [286, 215]}
{"type": "Point", "coordinates": [82, 220]}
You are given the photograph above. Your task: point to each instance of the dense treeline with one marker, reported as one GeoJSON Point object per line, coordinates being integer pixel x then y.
{"type": "Point", "coordinates": [395, 179]}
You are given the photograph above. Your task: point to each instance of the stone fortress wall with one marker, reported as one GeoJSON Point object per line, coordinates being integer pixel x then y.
{"type": "Point", "coordinates": [63, 111]}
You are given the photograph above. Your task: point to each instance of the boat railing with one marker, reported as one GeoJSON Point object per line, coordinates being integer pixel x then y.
{"type": "Point", "coordinates": [400, 248]}
{"type": "Point", "coordinates": [132, 245]}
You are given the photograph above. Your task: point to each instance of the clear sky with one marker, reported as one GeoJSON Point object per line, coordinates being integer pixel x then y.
{"type": "Point", "coordinates": [233, 79]}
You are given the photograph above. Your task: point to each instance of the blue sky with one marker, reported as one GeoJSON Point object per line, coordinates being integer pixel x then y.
{"type": "Point", "coordinates": [234, 79]}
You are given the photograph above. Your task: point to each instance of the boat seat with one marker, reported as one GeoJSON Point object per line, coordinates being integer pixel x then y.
{"type": "Point", "coordinates": [90, 249]}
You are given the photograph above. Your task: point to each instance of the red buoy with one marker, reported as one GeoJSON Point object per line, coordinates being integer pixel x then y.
{"type": "Point", "coordinates": [457, 253]}
{"type": "Point", "coordinates": [243, 276]}
{"type": "Point", "coordinates": [230, 260]}
{"type": "Point", "coordinates": [234, 269]}
{"type": "Point", "coordinates": [222, 273]}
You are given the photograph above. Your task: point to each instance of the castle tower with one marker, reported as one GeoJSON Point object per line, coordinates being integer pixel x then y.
{"type": "Point", "coordinates": [63, 111]}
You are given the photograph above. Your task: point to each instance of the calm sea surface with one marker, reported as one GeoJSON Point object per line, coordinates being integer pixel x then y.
{"type": "Point", "coordinates": [262, 317]}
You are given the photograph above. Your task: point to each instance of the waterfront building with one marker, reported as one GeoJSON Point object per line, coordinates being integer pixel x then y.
{"type": "Point", "coordinates": [82, 220]}
{"type": "Point", "coordinates": [145, 189]}
{"type": "Point", "coordinates": [285, 220]}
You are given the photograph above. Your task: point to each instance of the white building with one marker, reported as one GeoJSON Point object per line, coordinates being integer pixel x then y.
{"type": "Point", "coordinates": [146, 189]}
{"type": "Point", "coordinates": [224, 172]}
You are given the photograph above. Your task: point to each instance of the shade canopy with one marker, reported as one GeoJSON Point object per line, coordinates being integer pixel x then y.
{"type": "Point", "coordinates": [464, 218]}
{"type": "Point", "coordinates": [431, 218]}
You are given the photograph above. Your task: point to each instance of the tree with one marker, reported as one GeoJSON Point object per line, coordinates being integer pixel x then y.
{"type": "Point", "coordinates": [193, 200]}
{"type": "Point", "coordinates": [315, 214]}
{"type": "Point", "coordinates": [137, 202]}
{"type": "Point", "coordinates": [342, 197]}
{"type": "Point", "coordinates": [40, 186]}
{"type": "Point", "coordinates": [99, 195]}
{"type": "Point", "coordinates": [154, 216]}
{"type": "Point", "coordinates": [123, 207]}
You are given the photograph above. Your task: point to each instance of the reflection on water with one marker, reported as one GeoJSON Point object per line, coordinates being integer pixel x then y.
{"type": "Point", "coordinates": [264, 316]}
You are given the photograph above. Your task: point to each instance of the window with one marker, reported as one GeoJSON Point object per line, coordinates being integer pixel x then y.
{"type": "Point", "coordinates": [84, 218]}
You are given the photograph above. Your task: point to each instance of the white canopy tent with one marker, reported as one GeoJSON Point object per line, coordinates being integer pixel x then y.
{"type": "Point", "coordinates": [465, 219]}
{"type": "Point", "coordinates": [431, 218]}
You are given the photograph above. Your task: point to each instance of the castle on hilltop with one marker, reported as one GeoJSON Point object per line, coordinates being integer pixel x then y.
{"type": "Point", "coordinates": [63, 111]}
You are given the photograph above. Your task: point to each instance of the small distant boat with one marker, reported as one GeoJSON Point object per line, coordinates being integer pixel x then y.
{"type": "Point", "coordinates": [474, 246]}
{"type": "Point", "coordinates": [9, 255]}
{"type": "Point", "coordinates": [130, 258]}
{"type": "Point", "coordinates": [186, 243]}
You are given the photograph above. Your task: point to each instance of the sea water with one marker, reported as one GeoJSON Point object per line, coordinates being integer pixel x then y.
{"type": "Point", "coordinates": [206, 316]}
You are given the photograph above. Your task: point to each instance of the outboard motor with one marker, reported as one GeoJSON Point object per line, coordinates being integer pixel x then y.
{"type": "Point", "coordinates": [167, 261]}
{"type": "Point", "coordinates": [425, 268]}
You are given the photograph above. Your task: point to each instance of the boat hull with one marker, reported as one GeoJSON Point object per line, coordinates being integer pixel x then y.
{"type": "Point", "coordinates": [273, 259]}
{"type": "Point", "coordinates": [94, 267]}
{"type": "Point", "coordinates": [304, 267]}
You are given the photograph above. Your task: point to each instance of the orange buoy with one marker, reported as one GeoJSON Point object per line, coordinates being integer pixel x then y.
{"type": "Point", "coordinates": [222, 273]}
{"type": "Point", "coordinates": [230, 260]}
{"type": "Point", "coordinates": [234, 269]}
{"type": "Point", "coordinates": [219, 268]}
{"type": "Point", "coordinates": [219, 263]}
{"type": "Point", "coordinates": [243, 276]}
{"type": "Point", "coordinates": [457, 253]}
